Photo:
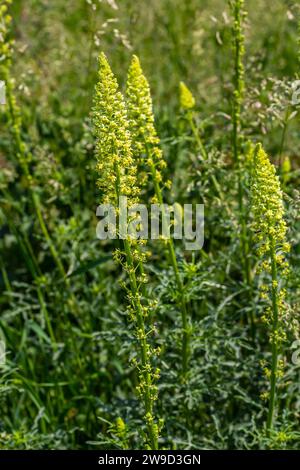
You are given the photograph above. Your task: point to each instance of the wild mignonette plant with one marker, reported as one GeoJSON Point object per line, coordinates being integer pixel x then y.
{"type": "Point", "coordinates": [117, 178]}
{"type": "Point", "coordinates": [269, 228]}
{"type": "Point", "coordinates": [15, 123]}
{"type": "Point", "coordinates": [238, 14]}
{"type": "Point", "coordinates": [24, 161]}
{"type": "Point", "coordinates": [148, 153]}
{"type": "Point", "coordinates": [187, 105]}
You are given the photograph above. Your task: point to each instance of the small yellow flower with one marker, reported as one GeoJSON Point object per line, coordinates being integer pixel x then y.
{"type": "Point", "coordinates": [264, 396]}
{"type": "Point", "coordinates": [5, 42]}
{"type": "Point", "coordinates": [282, 437]}
{"type": "Point", "coordinates": [120, 427]}
{"type": "Point", "coordinates": [187, 100]}
{"type": "Point", "coordinates": [286, 168]}
{"type": "Point", "coordinates": [267, 372]}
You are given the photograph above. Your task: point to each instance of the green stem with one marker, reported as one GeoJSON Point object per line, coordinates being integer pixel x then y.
{"type": "Point", "coordinates": [146, 366]}
{"type": "Point", "coordinates": [274, 366]}
{"type": "Point", "coordinates": [204, 154]}
{"type": "Point", "coordinates": [55, 255]}
{"type": "Point", "coordinates": [5, 276]}
{"type": "Point", "coordinates": [238, 39]}
{"type": "Point", "coordinates": [31, 266]}
{"type": "Point", "coordinates": [23, 157]}
{"type": "Point", "coordinates": [182, 301]}
{"type": "Point", "coordinates": [23, 160]}
{"type": "Point", "coordinates": [197, 135]}
{"type": "Point", "coordinates": [30, 259]}
{"type": "Point", "coordinates": [283, 136]}
{"type": "Point", "coordinates": [146, 387]}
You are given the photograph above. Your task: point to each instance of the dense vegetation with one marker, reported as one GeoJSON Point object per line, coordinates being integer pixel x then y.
{"type": "Point", "coordinates": [148, 345]}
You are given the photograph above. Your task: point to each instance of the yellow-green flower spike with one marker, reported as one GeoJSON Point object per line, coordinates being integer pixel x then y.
{"type": "Point", "coordinates": [116, 167]}
{"type": "Point", "coordinates": [141, 117]}
{"type": "Point", "coordinates": [270, 229]}
{"type": "Point", "coordinates": [186, 98]}
{"type": "Point", "coordinates": [267, 203]}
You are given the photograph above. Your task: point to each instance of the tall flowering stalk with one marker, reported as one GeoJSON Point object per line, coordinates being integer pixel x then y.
{"type": "Point", "coordinates": [6, 44]}
{"type": "Point", "coordinates": [24, 159]}
{"type": "Point", "coordinates": [117, 177]}
{"type": "Point", "coordinates": [148, 154]}
{"type": "Point", "coordinates": [270, 229]}
{"type": "Point", "coordinates": [187, 104]}
{"type": "Point", "coordinates": [15, 120]}
{"type": "Point", "coordinates": [238, 13]}
{"type": "Point", "coordinates": [239, 84]}
{"type": "Point", "coordinates": [5, 49]}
